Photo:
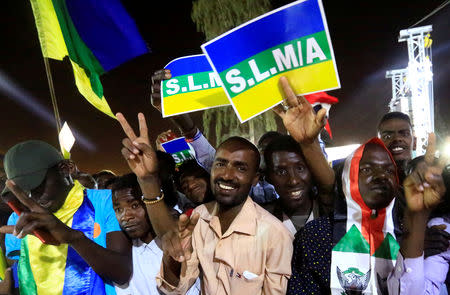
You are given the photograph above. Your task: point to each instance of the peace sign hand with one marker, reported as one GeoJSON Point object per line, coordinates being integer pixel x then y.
{"type": "Point", "coordinates": [178, 243]}
{"type": "Point", "coordinates": [424, 187]}
{"type": "Point", "coordinates": [303, 124]}
{"type": "Point", "coordinates": [136, 150]}
{"type": "Point", "coordinates": [38, 221]}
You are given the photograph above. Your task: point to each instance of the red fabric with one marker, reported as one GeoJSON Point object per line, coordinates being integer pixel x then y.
{"type": "Point", "coordinates": [372, 228]}
{"type": "Point", "coordinates": [321, 97]}
{"type": "Point", "coordinates": [188, 212]}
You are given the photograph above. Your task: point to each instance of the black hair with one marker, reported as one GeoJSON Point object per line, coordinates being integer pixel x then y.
{"type": "Point", "coordinates": [271, 134]}
{"type": "Point", "coordinates": [284, 143]}
{"type": "Point", "coordinates": [166, 165]}
{"type": "Point", "coordinates": [245, 143]}
{"type": "Point", "coordinates": [394, 115]}
{"type": "Point", "coordinates": [190, 168]}
{"type": "Point", "coordinates": [127, 181]}
{"type": "Point", "coordinates": [166, 160]}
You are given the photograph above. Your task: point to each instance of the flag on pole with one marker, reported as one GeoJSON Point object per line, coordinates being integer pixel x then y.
{"type": "Point", "coordinates": [97, 35]}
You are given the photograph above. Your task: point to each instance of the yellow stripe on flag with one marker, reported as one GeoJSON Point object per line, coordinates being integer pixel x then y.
{"type": "Point", "coordinates": [84, 86]}
{"type": "Point", "coordinates": [267, 94]}
{"type": "Point", "coordinates": [49, 31]}
{"type": "Point", "coordinates": [197, 100]}
{"type": "Point", "coordinates": [48, 262]}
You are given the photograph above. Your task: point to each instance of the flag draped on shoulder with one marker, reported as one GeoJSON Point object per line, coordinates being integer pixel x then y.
{"type": "Point", "coordinates": [96, 35]}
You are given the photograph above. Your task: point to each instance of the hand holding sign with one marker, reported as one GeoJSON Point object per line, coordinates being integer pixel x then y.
{"type": "Point", "coordinates": [137, 151]}
{"type": "Point", "coordinates": [155, 95]}
{"type": "Point", "coordinates": [37, 220]}
{"type": "Point", "coordinates": [303, 124]}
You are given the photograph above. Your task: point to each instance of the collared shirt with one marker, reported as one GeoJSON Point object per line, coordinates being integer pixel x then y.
{"type": "Point", "coordinates": [146, 264]}
{"type": "Point", "coordinates": [419, 275]}
{"type": "Point", "coordinates": [252, 257]}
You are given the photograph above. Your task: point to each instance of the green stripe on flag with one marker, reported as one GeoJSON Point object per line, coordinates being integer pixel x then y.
{"type": "Point", "coordinates": [27, 285]}
{"type": "Point", "coordinates": [388, 248]}
{"type": "Point", "coordinates": [77, 49]}
{"type": "Point", "coordinates": [282, 58]}
{"type": "Point", "coordinates": [353, 241]}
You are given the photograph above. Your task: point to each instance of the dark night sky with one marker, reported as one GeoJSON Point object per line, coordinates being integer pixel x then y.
{"type": "Point", "coordinates": [364, 36]}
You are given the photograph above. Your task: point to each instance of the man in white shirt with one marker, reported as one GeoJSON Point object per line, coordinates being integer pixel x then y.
{"type": "Point", "coordinates": [146, 251]}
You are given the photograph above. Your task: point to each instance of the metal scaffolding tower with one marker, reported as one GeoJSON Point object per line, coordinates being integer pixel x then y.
{"type": "Point", "coordinates": [412, 88]}
{"type": "Point", "coordinates": [401, 96]}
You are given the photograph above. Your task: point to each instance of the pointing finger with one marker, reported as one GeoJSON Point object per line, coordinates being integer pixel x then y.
{"type": "Point", "coordinates": [431, 149]}
{"type": "Point", "coordinates": [290, 97]}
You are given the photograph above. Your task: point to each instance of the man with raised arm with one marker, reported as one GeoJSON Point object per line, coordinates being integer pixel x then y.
{"type": "Point", "coordinates": [235, 246]}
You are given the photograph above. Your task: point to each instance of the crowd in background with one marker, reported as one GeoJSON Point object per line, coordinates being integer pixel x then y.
{"type": "Point", "coordinates": [240, 218]}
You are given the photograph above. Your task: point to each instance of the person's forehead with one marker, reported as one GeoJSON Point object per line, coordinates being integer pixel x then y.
{"type": "Point", "coordinates": [124, 195]}
{"type": "Point", "coordinates": [376, 154]}
{"type": "Point", "coordinates": [286, 157]}
{"type": "Point", "coordinates": [394, 124]}
{"type": "Point", "coordinates": [231, 153]}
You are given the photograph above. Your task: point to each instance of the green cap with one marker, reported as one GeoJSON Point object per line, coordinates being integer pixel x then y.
{"type": "Point", "coordinates": [27, 163]}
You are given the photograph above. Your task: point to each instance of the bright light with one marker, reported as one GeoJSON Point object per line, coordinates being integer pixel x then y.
{"type": "Point", "coordinates": [447, 149]}
{"type": "Point", "coordinates": [340, 152]}
{"type": "Point", "coordinates": [66, 139]}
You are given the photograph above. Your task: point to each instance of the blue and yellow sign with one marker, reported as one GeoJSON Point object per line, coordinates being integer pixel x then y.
{"type": "Point", "coordinates": [292, 41]}
{"type": "Point", "coordinates": [179, 149]}
{"type": "Point", "coordinates": [194, 86]}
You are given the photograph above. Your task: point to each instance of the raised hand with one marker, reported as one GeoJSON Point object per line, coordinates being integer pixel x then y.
{"type": "Point", "coordinates": [424, 187]}
{"type": "Point", "coordinates": [303, 124]}
{"type": "Point", "coordinates": [136, 150]}
{"type": "Point", "coordinates": [178, 243]}
{"type": "Point", "coordinates": [37, 219]}
{"type": "Point", "coordinates": [155, 95]}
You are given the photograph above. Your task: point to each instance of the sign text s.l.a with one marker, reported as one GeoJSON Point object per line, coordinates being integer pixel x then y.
{"type": "Point", "coordinates": [292, 41]}
{"type": "Point", "coordinates": [194, 86]}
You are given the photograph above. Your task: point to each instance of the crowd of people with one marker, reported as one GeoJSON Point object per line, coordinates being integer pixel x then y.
{"type": "Point", "coordinates": [270, 218]}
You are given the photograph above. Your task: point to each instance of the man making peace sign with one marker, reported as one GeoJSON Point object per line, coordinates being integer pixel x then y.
{"type": "Point", "coordinates": [234, 245]}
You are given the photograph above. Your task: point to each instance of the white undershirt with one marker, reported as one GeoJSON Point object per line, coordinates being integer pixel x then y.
{"type": "Point", "coordinates": [146, 265]}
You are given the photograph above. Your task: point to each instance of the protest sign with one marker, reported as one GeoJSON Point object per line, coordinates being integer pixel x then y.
{"type": "Point", "coordinates": [179, 149]}
{"type": "Point", "coordinates": [194, 86]}
{"type": "Point", "coordinates": [292, 41]}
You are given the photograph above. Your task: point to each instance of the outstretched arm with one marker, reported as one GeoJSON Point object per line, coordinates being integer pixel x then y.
{"type": "Point", "coordinates": [304, 125]}
{"type": "Point", "coordinates": [113, 262]}
{"type": "Point", "coordinates": [204, 151]}
{"type": "Point", "coordinates": [142, 160]}
{"type": "Point", "coordinates": [424, 189]}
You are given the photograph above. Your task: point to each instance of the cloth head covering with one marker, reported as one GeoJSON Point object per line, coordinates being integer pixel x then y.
{"type": "Point", "coordinates": [364, 244]}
